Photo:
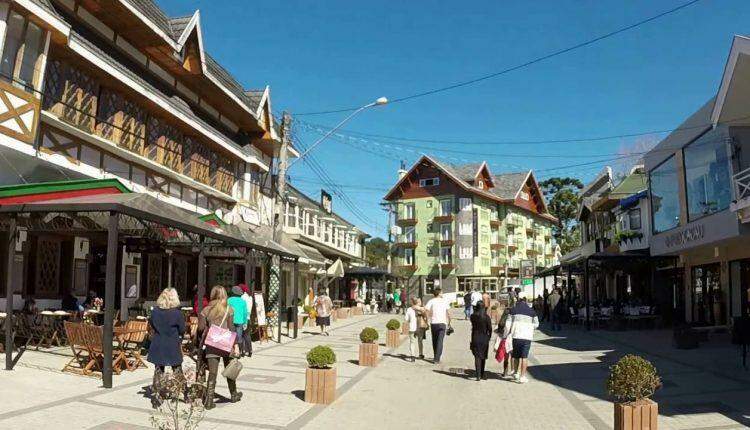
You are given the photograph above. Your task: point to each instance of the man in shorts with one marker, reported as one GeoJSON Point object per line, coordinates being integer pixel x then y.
{"type": "Point", "coordinates": [521, 323]}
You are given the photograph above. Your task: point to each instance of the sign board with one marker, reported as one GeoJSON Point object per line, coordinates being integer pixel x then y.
{"type": "Point", "coordinates": [326, 202]}
{"type": "Point", "coordinates": [260, 309]}
{"type": "Point", "coordinates": [475, 230]}
{"type": "Point", "coordinates": [527, 281]}
{"type": "Point", "coordinates": [527, 268]}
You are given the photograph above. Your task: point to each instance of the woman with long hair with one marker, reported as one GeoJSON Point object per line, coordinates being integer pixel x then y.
{"type": "Point", "coordinates": [217, 313]}
{"type": "Point", "coordinates": [481, 331]}
{"type": "Point", "coordinates": [167, 326]}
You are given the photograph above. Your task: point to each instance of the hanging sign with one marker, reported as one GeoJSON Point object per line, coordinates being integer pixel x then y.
{"type": "Point", "coordinates": [260, 309]}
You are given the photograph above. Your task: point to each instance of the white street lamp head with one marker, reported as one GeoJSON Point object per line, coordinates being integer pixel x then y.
{"type": "Point", "coordinates": [381, 101]}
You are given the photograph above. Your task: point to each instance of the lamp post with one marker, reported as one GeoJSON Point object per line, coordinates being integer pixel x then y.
{"type": "Point", "coordinates": [379, 102]}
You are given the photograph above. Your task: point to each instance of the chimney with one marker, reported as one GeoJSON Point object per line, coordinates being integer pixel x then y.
{"type": "Point", "coordinates": [402, 170]}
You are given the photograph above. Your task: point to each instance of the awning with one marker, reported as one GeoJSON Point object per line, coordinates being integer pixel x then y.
{"type": "Point", "coordinates": [313, 255]}
{"type": "Point", "coordinates": [90, 213]}
{"type": "Point", "coordinates": [365, 271]}
{"type": "Point", "coordinates": [307, 255]}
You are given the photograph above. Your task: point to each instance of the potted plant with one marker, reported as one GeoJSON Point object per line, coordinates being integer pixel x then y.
{"type": "Point", "coordinates": [368, 349]}
{"type": "Point", "coordinates": [320, 376]}
{"type": "Point", "coordinates": [392, 337]}
{"type": "Point", "coordinates": [631, 383]}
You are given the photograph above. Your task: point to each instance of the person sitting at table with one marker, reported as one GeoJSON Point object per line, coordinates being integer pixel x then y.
{"type": "Point", "coordinates": [167, 325]}
{"type": "Point", "coordinates": [70, 303]}
{"type": "Point", "coordinates": [89, 302]}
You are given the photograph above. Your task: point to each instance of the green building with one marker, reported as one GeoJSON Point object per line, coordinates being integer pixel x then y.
{"type": "Point", "coordinates": [464, 228]}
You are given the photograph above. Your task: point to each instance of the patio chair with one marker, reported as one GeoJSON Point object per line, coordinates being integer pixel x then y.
{"type": "Point", "coordinates": [132, 344]}
{"type": "Point", "coordinates": [191, 333]}
{"type": "Point", "coordinates": [81, 362]}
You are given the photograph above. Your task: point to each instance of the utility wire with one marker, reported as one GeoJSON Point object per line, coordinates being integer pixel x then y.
{"type": "Point", "coordinates": [522, 65]}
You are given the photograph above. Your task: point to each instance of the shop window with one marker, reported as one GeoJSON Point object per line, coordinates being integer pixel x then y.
{"type": "Point", "coordinates": [707, 176]}
{"type": "Point", "coordinates": [24, 44]}
{"type": "Point", "coordinates": [665, 201]}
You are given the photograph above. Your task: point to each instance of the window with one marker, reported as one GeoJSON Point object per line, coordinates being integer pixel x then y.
{"type": "Point", "coordinates": [409, 212]}
{"type": "Point", "coordinates": [465, 253]}
{"type": "Point", "coordinates": [90, 156]}
{"type": "Point", "coordinates": [202, 201]}
{"type": "Point", "coordinates": [446, 207]}
{"type": "Point", "coordinates": [446, 255]}
{"type": "Point", "coordinates": [465, 229]}
{"type": "Point", "coordinates": [175, 190]}
{"type": "Point", "coordinates": [464, 203]}
{"type": "Point", "coordinates": [430, 182]}
{"type": "Point", "coordinates": [138, 176]}
{"type": "Point", "coordinates": [707, 176]}
{"type": "Point", "coordinates": [189, 195]}
{"type": "Point", "coordinates": [665, 203]}
{"type": "Point", "coordinates": [310, 224]}
{"type": "Point", "coordinates": [634, 219]}
{"type": "Point", "coordinates": [291, 217]}
{"type": "Point", "coordinates": [446, 232]}
{"type": "Point", "coordinates": [116, 167]}
{"type": "Point", "coordinates": [327, 232]}
{"type": "Point", "coordinates": [409, 235]}
{"type": "Point", "coordinates": [24, 43]}
{"type": "Point", "coordinates": [409, 257]}
{"type": "Point", "coordinates": [480, 184]}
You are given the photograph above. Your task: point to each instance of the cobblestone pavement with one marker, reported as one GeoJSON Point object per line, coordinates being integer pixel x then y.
{"type": "Point", "coordinates": [703, 389]}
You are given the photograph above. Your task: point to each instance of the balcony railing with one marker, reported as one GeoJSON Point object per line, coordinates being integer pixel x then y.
{"type": "Point", "coordinates": [742, 185]}
{"type": "Point", "coordinates": [406, 221]}
{"type": "Point", "coordinates": [16, 105]}
{"type": "Point", "coordinates": [443, 218]}
{"type": "Point", "coordinates": [406, 243]}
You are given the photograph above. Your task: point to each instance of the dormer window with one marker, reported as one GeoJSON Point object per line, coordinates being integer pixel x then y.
{"type": "Point", "coordinates": [480, 184]}
{"type": "Point", "coordinates": [430, 182]}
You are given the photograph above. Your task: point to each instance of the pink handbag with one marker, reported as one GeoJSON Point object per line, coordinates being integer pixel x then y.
{"type": "Point", "coordinates": [220, 338]}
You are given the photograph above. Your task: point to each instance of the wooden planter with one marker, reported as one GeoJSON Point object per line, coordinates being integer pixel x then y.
{"type": "Point", "coordinates": [639, 415]}
{"type": "Point", "coordinates": [368, 354]}
{"type": "Point", "coordinates": [357, 310]}
{"type": "Point", "coordinates": [343, 313]}
{"type": "Point", "coordinates": [404, 329]}
{"type": "Point", "coordinates": [392, 338]}
{"type": "Point", "coordinates": [320, 386]}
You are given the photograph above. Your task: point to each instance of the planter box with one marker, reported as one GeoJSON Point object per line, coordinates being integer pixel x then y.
{"type": "Point", "coordinates": [640, 415]}
{"type": "Point", "coordinates": [343, 313]}
{"type": "Point", "coordinates": [357, 311]}
{"type": "Point", "coordinates": [368, 354]}
{"type": "Point", "coordinates": [392, 338]}
{"type": "Point", "coordinates": [320, 386]}
{"type": "Point", "coordinates": [405, 328]}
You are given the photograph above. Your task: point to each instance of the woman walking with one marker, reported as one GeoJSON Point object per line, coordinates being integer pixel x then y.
{"type": "Point", "coordinates": [323, 306]}
{"type": "Point", "coordinates": [416, 317]}
{"type": "Point", "coordinates": [167, 325]}
{"type": "Point", "coordinates": [220, 314]}
{"type": "Point", "coordinates": [481, 331]}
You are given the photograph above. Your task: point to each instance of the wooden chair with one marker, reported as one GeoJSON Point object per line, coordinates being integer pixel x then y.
{"type": "Point", "coordinates": [191, 333]}
{"type": "Point", "coordinates": [132, 344]}
{"type": "Point", "coordinates": [82, 361]}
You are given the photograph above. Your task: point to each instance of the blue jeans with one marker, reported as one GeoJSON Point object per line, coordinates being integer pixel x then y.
{"type": "Point", "coordinates": [438, 334]}
{"type": "Point", "coordinates": [239, 329]}
{"type": "Point", "coordinates": [555, 320]}
{"type": "Point", "coordinates": [468, 311]}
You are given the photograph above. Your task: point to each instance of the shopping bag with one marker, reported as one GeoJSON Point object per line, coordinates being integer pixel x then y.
{"type": "Point", "coordinates": [501, 354]}
{"type": "Point", "coordinates": [219, 338]}
{"type": "Point", "coordinates": [496, 345]}
{"type": "Point", "coordinates": [232, 370]}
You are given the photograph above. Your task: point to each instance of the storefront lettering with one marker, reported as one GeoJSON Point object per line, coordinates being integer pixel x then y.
{"type": "Point", "coordinates": [688, 235]}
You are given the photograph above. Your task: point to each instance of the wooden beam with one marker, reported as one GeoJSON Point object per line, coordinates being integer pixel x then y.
{"type": "Point", "coordinates": [11, 249]}
{"type": "Point", "coordinates": [109, 297]}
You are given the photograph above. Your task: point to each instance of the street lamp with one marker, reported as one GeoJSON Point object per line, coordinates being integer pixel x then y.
{"type": "Point", "coordinates": [379, 102]}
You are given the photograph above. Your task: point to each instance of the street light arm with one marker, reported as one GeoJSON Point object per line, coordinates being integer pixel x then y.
{"type": "Point", "coordinates": [378, 102]}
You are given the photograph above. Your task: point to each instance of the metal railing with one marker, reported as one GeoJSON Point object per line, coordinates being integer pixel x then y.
{"type": "Point", "coordinates": [741, 182]}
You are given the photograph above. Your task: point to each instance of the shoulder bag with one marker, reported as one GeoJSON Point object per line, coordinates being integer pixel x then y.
{"type": "Point", "coordinates": [232, 370]}
{"type": "Point", "coordinates": [219, 338]}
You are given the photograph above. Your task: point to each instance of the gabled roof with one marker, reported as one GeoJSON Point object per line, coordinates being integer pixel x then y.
{"type": "Point", "coordinates": [508, 185]}
{"type": "Point", "coordinates": [468, 172]}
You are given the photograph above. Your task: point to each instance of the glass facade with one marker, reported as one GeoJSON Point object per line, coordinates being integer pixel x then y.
{"type": "Point", "coordinates": [707, 177]}
{"type": "Point", "coordinates": [665, 201]}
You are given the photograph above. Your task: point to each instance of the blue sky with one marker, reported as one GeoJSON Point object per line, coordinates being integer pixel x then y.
{"type": "Point", "coordinates": [322, 55]}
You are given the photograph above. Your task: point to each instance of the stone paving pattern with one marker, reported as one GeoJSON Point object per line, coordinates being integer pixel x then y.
{"type": "Point", "coordinates": [704, 389]}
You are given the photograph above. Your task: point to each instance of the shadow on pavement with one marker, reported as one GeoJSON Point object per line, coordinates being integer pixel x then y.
{"type": "Point", "coordinates": [300, 394]}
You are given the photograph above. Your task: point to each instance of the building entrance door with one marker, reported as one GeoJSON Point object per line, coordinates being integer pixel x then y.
{"type": "Point", "coordinates": [708, 300]}
{"type": "Point", "coordinates": [739, 272]}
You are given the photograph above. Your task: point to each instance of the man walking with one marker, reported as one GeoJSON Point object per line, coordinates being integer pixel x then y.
{"type": "Point", "coordinates": [555, 308]}
{"type": "Point", "coordinates": [437, 308]}
{"type": "Point", "coordinates": [476, 297]}
{"type": "Point", "coordinates": [467, 304]}
{"type": "Point", "coordinates": [520, 326]}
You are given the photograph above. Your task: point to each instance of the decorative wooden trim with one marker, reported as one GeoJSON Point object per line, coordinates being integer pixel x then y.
{"type": "Point", "coordinates": [20, 119]}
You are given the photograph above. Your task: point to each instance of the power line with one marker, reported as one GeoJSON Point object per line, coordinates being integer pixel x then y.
{"type": "Point", "coordinates": [522, 65]}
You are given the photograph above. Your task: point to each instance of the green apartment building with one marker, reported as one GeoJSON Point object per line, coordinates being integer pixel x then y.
{"type": "Point", "coordinates": [463, 228]}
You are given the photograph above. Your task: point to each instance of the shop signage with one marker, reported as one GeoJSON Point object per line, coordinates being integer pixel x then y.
{"type": "Point", "coordinates": [527, 269]}
{"type": "Point", "coordinates": [527, 281]}
{"type": "Point", "coordinates": [326, 202]}
{"type": "Point", "coordinates": [690, 234]}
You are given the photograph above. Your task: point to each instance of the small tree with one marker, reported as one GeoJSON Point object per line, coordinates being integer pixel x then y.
{"type": "Point", "coordinates": [393, 324]}
{"type": "Point", "coordinates": [178, 399]}
{"type": "Point", "coordinates": [368, 335]}
{"type": "Point", "coordinates": [632, 378]}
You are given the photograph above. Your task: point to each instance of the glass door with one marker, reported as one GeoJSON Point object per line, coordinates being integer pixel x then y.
{"type": "Point", "coordinates": [708, 303]}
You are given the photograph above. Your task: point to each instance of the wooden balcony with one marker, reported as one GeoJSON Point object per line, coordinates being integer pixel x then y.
{"type": "Point", "coordinates": [407, 244]}
{"type": "Point", "coordinates": [495, 223]}
{"type": "Point", "coordinates": [443, 218]}
{"type": "Point", "coordinates": [497, 270]}
{"type": "Point", "coordinates": [406, 269]}
{"type": "Point", "coordinates": [20, 117]}
{"type": "Point", "coordinates": [447, 242]}
{"type": "Point", "coordinates": [447, 266]}
{"type": "Point", "coordinates": [497, 245]}
{"type": "Point", "coordinates": [406, 222]}
{"type": "Point", "coordinates": [512, 245]}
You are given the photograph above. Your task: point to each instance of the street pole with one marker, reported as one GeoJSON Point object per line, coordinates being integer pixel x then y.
{"type": "Point", "coordinates": [274, 279]}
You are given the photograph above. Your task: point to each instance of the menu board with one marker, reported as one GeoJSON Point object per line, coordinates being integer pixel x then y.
{"type": "Point", "coordinates": [260, 309]}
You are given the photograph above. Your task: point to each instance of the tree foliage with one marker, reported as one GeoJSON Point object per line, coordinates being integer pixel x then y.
{"type": "Point", "coordinates": [377, 253]}
{"type": "Point", "coordinates": [562, 202]}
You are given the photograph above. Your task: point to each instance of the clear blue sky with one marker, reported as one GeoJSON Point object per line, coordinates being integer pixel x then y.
{"type": "Point", "coordinates": [321, 55]}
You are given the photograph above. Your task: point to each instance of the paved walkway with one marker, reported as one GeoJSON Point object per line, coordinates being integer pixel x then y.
{"type": "Point", "coordinates": [703, 389]}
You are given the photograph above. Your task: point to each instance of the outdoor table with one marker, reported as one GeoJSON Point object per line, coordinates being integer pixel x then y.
{"type": "Point", "coordinates": [52, 328]}
{"type": "Point", "coordinates": [95, 315]}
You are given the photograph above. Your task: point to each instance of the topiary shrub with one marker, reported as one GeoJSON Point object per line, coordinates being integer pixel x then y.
{"type": "Point", "coordinates": [393, 325]}
{"type": "Point", "coordinates": [632, 378]}
{"type": "Point", "coordinates": [368, 335]}
{"type": "Point", "coordinates": [321, 357]}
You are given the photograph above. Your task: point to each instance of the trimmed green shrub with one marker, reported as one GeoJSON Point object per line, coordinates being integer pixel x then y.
{"type": "Point", "coordinates": [393, 325]}
{"type": "Point", "coordinates": [368, 335]}
{"type": "Point", "coordinates": [321, 357]}
{"type": "Point", "coordinates": [632, 378]}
